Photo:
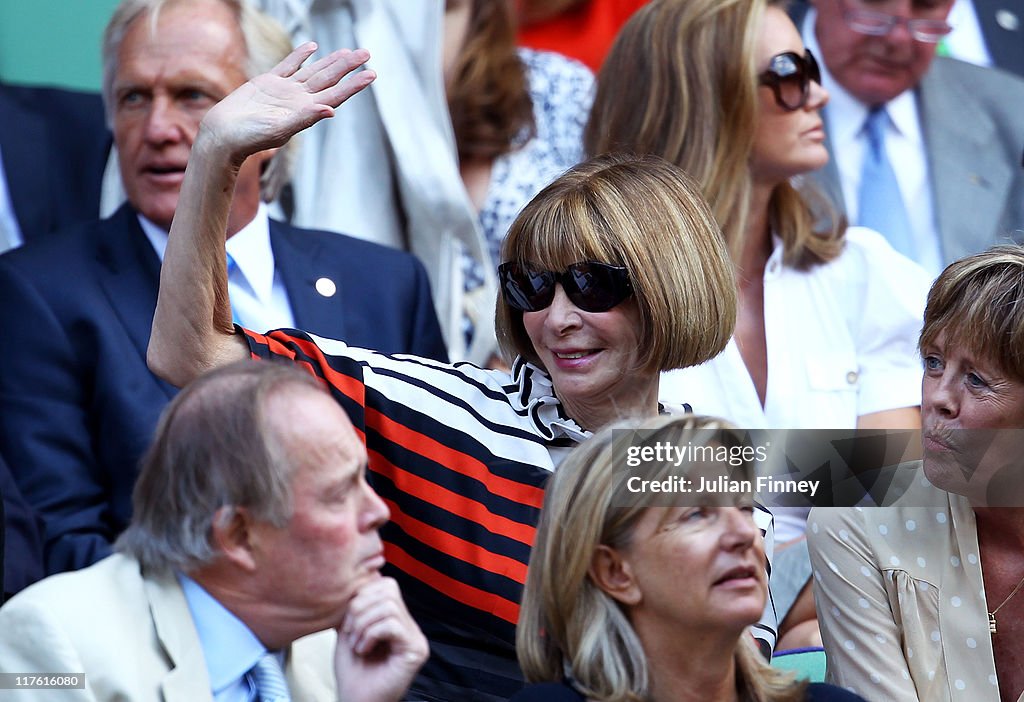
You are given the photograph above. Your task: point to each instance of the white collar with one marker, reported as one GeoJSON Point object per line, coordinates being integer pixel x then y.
{"type": "Point", "coordinates": [250, 247]}
{"type": "Point", "coordinates": [534, 394]}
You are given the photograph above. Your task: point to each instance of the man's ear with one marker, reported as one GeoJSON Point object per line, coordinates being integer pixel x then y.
{"type": "Point", "coordinates": [613, 574]}
{"type": "Point", "coordinates": [233, 536]}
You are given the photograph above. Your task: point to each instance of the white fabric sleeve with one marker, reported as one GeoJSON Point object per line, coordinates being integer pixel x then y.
{"type": "Point", "coordinates": [886, 330]}
{"type": "Point", "coordinates": [766, 631]}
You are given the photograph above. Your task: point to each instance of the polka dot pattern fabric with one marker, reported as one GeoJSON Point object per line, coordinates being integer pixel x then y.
{"type": "Point", "coordinates": [900, 597]}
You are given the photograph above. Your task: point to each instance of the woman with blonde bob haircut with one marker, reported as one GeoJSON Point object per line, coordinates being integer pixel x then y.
{"type": "Point", "coordinates": [643, 596]}
{"type": "Point", "coordinates": [620, 210]}
{"type": "Point", "coordinates": [827, 315]}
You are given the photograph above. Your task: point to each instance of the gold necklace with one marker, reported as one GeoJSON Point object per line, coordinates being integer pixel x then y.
{"type": "Point", "coordinates": [994, 612]}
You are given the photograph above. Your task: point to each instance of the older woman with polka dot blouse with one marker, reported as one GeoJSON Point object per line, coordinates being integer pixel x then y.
{"type": "Point", "coordinates": [920, 600]}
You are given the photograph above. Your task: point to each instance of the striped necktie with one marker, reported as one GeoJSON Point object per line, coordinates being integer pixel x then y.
{"type": "Point", "coordinates": [268, 679]}
{"type": "Point", "coordinates": [880, 204]}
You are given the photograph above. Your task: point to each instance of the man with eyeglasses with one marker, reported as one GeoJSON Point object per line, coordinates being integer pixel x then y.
{"type": "Point", "coordinates": [923, 147]}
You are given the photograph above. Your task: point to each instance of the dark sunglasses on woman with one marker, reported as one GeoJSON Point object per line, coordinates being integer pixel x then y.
{"type": "Point", "coordinates": [789, 75]}
{"type": "Point", "coordinates": [590, 285]}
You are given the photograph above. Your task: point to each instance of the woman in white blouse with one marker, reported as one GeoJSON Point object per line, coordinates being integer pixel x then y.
{"type": "Point", "coordinates": [828, 315]}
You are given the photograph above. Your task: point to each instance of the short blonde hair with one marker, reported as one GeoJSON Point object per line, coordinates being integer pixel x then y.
{"type": "Point", "coordinates": [569, 624]}
{"type": "Point", "coordinates": [978, 303]}
{"type": "Point", "coordinates": [647, 215]}
{"type": "Point", "coordinates": [680, 82]}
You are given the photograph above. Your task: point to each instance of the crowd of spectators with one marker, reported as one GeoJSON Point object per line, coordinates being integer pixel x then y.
{"type": "Point", "coordinates": [499, 234]}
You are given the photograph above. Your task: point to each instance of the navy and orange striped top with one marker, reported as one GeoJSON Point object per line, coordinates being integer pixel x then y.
{"type": "Point", "coordinates": [460, 455]}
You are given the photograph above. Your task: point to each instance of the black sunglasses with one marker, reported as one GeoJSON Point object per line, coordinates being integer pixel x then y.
{"type": "Point", "coordinates": [590, 285]}
{"type": "Point", "coordinates": [789, 75]}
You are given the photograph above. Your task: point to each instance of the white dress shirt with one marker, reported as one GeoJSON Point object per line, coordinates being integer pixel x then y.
{"type": "Point", "coordinates": [258, 297]}
{"type": "Point", "coordinates": [905, 148]}
{"type": "Point", "coordinates": [841, 342]}
{"type": "Point", "coordinates": [966, 42]}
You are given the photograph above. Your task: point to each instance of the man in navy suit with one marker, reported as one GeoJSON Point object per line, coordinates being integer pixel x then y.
{"type": "Point", "coordinates": [53, 148]}
{"type": "Point", "coordinates": [77, 404]}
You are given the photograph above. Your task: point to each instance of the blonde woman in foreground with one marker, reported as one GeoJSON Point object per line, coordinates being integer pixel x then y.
{"type": "Point", "coordinates": [636, 596]}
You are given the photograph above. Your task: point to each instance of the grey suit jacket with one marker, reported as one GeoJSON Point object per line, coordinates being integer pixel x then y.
{"type": "Point", "coordinates": [131, 635]}
{"type": "Point", "coordinates": [972, 119]}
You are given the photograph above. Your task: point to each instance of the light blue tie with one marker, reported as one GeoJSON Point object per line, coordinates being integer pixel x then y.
{"type": "Point", "coordinates": [232, 269]}
{"type": "Point", "coordinates": [268, 679]}
{"type": "Point", "coordinates": [880, 203]}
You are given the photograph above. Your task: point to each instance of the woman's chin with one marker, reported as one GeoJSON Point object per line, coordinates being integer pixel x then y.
{"type": "Point", "coordinates": [943, 471]}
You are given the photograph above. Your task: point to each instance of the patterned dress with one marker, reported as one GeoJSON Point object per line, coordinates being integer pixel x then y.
{"type": "Point", "coordinates": [561, 90]}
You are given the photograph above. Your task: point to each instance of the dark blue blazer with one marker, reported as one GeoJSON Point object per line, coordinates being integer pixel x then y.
{"type": "Point", "coordinates": [21, 562]}
{"type": "Point", "coordinates": [78, 405]}
{"type": "Point", "coordinates": [53, 148]}
{"type": "Point", "coordinates": [1005, 41]}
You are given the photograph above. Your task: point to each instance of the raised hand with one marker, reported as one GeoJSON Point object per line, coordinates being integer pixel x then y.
{"type": "Point", "coordinates": [380, 648]}
{"type": "Point", "coordinates": [269, 109]}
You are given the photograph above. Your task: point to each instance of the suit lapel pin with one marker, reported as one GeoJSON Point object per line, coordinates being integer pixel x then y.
{"type": "Point", "coordinates": [326, 287]}
{"type": "Point", "coordinates": [1007, 20]}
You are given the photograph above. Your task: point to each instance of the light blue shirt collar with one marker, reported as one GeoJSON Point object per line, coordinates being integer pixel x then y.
{"type": "Point", "coordinates": [229, 646]}
{"type": "Point", "coordinates": [10, 231]}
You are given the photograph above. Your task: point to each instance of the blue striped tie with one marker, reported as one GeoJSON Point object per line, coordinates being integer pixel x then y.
{"type": "Point", "coordinates": [880, 205]}
{"type": "Point", "coordinates": [268, 679]}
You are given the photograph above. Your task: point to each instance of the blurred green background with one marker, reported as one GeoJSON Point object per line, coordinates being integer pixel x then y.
{"type": "Point", "coordinates": [53, 42]}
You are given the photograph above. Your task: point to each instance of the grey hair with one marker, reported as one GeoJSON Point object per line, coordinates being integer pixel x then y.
{"type": "Point", "coordinates": [213, 449]}
{"type": "Point", "coordinates": [266, 44]}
